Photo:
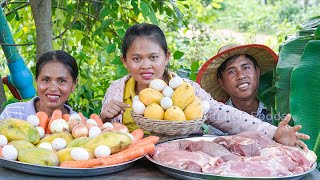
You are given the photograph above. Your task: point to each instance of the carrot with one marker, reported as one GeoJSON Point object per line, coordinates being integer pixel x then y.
{"type": "Point", "coordinates": [56, 114]}
{"type": "Point", "coordinates": [144, 141]}
{"type": "Point", "coordinates": [47, 130]}
{"type": "Point", "coordinates": [1, 152]}
{"type": "Point", "coordinates": [120, 157]}
{"type": "Point", "coordinates": [66, 117]}
{"type": "Point", "coordinates": [137, 135]}
{"type": "Point", "coordinates": [82, 163]}
{"type": "Point", "coordinates": [83, 119]}
{"type": "Point", "coordinates": [97, 119]}
{"type": "Point", "coordinates": [128, 154]}
{"type": "Point", "coordinates": [44, 120]}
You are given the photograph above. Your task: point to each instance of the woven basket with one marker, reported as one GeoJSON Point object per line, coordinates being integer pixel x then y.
{"type": "Point", "coordinates": [167, 128]}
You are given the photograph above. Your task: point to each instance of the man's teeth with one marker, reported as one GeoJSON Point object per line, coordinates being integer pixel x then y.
{"type": "Point", "coordinates": [52, 97]}
{"type": "Point", "coordinates": [244, 85]}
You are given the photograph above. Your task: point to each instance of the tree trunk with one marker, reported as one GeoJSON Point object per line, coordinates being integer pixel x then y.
{"type": "Point", "coordinates": [42, 14]}
{"type": "Point", "coordinates": [2, 95]}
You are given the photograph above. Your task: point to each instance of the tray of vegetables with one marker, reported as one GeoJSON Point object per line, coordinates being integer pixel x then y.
{"type": "Point", "coordinates": [70, 145]}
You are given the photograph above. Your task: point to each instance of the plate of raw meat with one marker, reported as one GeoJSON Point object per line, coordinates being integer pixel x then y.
{"type": "Point", "coordinates": [247, 155]}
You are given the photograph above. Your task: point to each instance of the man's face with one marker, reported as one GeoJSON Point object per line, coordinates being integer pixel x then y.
{"type": "Point", "coordinates": [240, 79]}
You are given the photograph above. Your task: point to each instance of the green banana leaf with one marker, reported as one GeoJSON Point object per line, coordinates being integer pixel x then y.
{"type": "Point", "coordinates": [267, 90]}
{"type": "Point", "coordinates": [316, 150]}
{"type": "Point", "coordinates": [310, 23]}
{"type": "Point", "coordinates": [305, 88]}
{"type": "Point", "coordinates": [289, 57]}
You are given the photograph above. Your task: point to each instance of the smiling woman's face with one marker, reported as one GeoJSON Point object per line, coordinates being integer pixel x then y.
{"type": "Point", "coordinates": [240, 79]}
{"type": "Point", "coordinates": [54, 85]}
{"type": "Point", "coordinates": [145, 61]}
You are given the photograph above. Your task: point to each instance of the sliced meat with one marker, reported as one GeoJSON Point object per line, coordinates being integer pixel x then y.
{"type": "Point", "coordinates": [296, 160]}
{"type": "Point", "coordinates": [181, 159]}
{"type": "Point", "coordinates": [172, 146]}
{"type": "Point", "coordinates": [212, 149]}
{"type": "Point", "coordinates": [250, 167]}
{"type": "Point", "coordinates": [246, 144]}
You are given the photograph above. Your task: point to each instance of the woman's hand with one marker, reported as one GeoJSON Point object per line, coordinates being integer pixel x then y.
{"type": "Point", "coordinates": [112, 109]}
{"type": "Point", "coordinates": [288, 135]}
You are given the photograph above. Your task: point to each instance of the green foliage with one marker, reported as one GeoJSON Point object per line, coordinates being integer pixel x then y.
{"type": "Point", "coordinates": [92, 32]}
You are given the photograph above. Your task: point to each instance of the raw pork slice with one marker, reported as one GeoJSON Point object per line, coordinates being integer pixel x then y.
{"type": "Point", "coordinates": [212, 149]}
{"type": "Point", "coordinates": [250, 167]}
{"type": "Point", "coordinates": [193, 161]}
{"type": "Point", "coordinates": [296, 160]}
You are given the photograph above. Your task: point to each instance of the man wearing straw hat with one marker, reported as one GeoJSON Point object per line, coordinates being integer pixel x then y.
{"type": "Point", "coordinates": [232, 76]}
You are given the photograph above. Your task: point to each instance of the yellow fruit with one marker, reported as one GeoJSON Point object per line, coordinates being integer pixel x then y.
{"type": "Point", "coordinates": [21, 145]}
{"type": "Point", "coordinates": [49, 138]}
{"type": "Point", "coordinates": [17, 129]}
{"type": "Point", "coordinates": [196, 99]}
{"type": "Point", "coordinates": [154, 111]}
{"type": "Point", "coordinates": [116, 141]}
{"type": "Point", "coordinates": [183, 95]}
{"type": "Point", "coordinates": [65, 155]}
{"type": "Point", "coordinates": [149, 96]}
{"type": "Point", "coordinates": [79, 142]}
{"type": "Point", "coordinates": [174, 113]}
{"type": "Point", "coordinates": [39, 156]}
{"type": "Point", "coordinates": [193, 111]}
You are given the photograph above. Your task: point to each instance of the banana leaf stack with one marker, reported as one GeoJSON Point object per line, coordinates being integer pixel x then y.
{"type": "Point", "coordinates": [297, 81]}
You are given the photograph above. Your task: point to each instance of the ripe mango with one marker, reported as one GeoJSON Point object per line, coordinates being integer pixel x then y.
{"type": "Point", "coordinates": [154, 111]}
{"type": "Point", "coordinates": [79, 142]}
{"type": "Point", "coordinates": [183, 95]}
{"type": "Point", "coordinates": [148, 96]}
{"type": "Point", "coordinates": [21, 145]}
{"type": "Point", "coordinates": [174, 113]}
{"type": "Point", "coordinates": [17, 129]}
{"type": "Point", "coordinates": [65, 155]}
{"type": "Point", "coordinates": [116, 141]}
{"type": "Point", "coordinates": [193, 111]}
{"type": "Point", "coordinates": [49, 138]}
{"type": "Point", "coordinates": [39, 156]}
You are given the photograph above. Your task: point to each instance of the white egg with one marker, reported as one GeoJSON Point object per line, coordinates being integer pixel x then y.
{"type": "Point", "coordinates": [102, 151]}
{"type": "Point", "coordinates": [94, 131]}
{"type": "Point", "coordinates": [9, 152]}
{"type": "Point", "coordinates": [58, 144]}
{"type": "Point", "coordinates": [79, 153]}
{"type": "Point", "coordinates": [138, 107]}
{"type": "Point", "coordinates": [40, 131]}
{"type": "Point", "coordinates": [107, 124]}
{"type": "Point", "coordinates": [45, 145]}
{"type": "Point", "coordinates": [91, 121]}
{"type": "Point", "coordinates": [166, 102]}
{"type": "Point", "coordinates": [75, 116]}
{"type": "Point", "coordinates": [175, 82]}
{"type": "Point", "coordinates": [135, 98]}
{"type": "Point", "coordinates": [157, 84]}
{"type": "Point", "coordinates": [34, 120]}
{"type": "Point", "coordinates": [167, 91]}
{"type": "Point", "coordinates": [3, 140]}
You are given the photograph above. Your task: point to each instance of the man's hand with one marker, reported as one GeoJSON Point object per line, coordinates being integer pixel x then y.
{"type": "Point", "coordinates": [288, 135]}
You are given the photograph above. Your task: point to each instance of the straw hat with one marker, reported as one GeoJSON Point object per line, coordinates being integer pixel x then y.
{"type": "Point", "coordinates": [207, 76]}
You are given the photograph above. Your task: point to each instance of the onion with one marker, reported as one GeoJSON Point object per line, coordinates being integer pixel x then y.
{"type": "Point", "coordinates": [59, 125]}
{"type": "Point", "coordinates": [80, 130]}
{"type": "Point", "coordinates": [73, 122]}
{"type": "Point", "coordinates": [89, 125]}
